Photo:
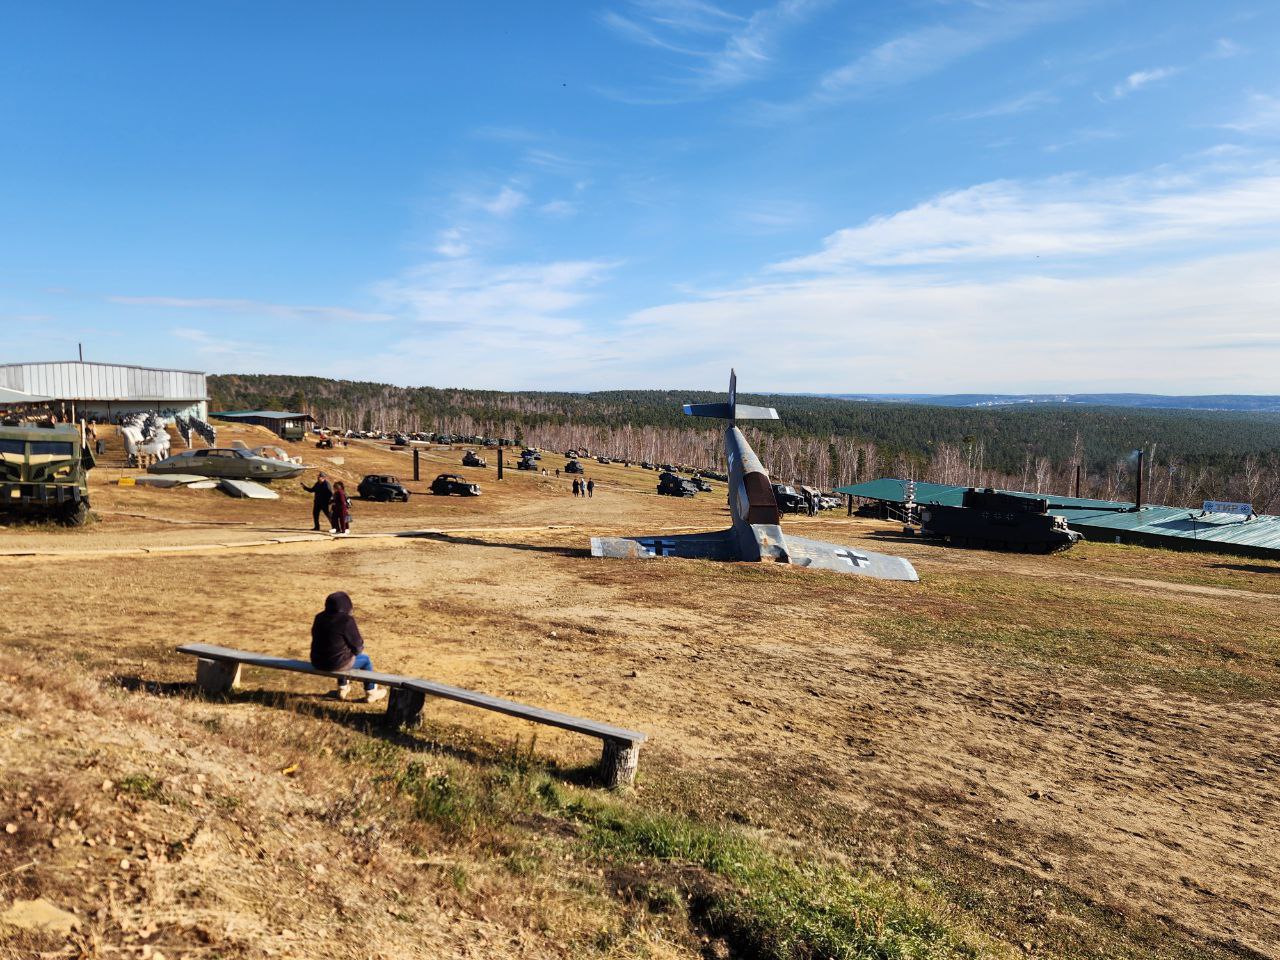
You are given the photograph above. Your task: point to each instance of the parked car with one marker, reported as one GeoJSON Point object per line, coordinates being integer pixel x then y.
{"type": "Point", "coordinates": [790, 500]}
{"type": "Point", "coordinates": [381, 486]}
{"type": "Point", "coordinates": [448, 483]}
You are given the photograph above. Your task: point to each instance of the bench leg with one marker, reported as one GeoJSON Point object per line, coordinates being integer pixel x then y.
{"type": "Point", "coordinates": [217, 676]}
{"type": "Point", "coordinates": [404, 707]}
{"type": "Point", "coordinates": [618, 763]}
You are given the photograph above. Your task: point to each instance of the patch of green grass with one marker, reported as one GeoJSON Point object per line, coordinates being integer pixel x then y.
{"type": "Point", "coordinates": [141, 785]}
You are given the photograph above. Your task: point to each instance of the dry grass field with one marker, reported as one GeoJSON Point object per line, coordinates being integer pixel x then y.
{"type": "Point", "coordinates": [1075, 755]}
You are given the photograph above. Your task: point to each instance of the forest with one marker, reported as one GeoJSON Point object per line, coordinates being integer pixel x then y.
{"type": "Point", "coordinates": [1191, 455]}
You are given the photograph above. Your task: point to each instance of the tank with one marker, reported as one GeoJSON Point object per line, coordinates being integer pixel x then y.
{"type": "Point", "coordinates": [998, 521]}
{"type": "Point", "coordinates": [674, 485]}
{"type": "Point", "coordinates": [44, 472]}
{"type": "Point", "coordinates": [469, 459]}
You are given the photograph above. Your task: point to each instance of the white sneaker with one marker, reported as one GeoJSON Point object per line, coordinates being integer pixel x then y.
{"type": "Point", "coordinates": [343, 692]}
{"type": "Point", "coordinates": [376, 694]}
{"type": "Point", "coordinates": [333, 529]}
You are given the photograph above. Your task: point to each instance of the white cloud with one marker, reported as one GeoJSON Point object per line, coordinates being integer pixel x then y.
{"type": "Point", "coordinates": [1261, 116]}
{"type": "Point", "coordinates": [221, 348]}
{"type": "Point", "coordinates": [726, 49]}
{"type": "Point", "coordinates": [282, 310]}
{"type": "Point", "coordinates": [1225, 49]}
{"type": "Point", "coordinates": [452, 243]}
{"type": "Point", "coordinates": [1139, 79]}
{"type": "Point", "coordinates": [559, 208]}
{"type": "Point", "coordinates": [507, 201]}
{"type": "Point", "coordinates": [922, 52]}
{"type": "Point", "coordinates": [1061, 220]}
{"type": "Point", "coordinates": [1015, 105]}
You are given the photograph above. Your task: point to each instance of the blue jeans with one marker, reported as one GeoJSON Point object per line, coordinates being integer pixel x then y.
{"type": "Point", "coordinates": [361, 662]}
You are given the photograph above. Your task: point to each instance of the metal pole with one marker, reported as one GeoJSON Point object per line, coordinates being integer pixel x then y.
{"type": "Point", "coordinates": [416, 453]}
{"type": "Point", "coordinates": [1137, 497]}
{"type": "Point", "coordinates": [1077, 480]}
{"type": "Point", "coordinates": [499, 463]}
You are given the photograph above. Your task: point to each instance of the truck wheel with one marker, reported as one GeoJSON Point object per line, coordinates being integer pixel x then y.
{"type": "Point", "coordinates": [76, 514]}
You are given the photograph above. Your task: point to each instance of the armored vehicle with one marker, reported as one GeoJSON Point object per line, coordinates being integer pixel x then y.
{"type": "Point", "coordinates": [998, 521]}
{"type": "Point", "coordinates": [674, 485]}
{"type": "Point", "coordinates": [469, 459]}
{"type": "Point", "coordinates": [647, 465]}
{"type": "Point", "coordinates": [382, 487]}
{"type": "Point", "coordinates": [700, 484]}
{"type": "Point", "coordinates": [525, 463]}
{"type": "Point", "coordinates": [448, 483]}
{"type": "Point", "coordinates": [44, 471]}
{"type": "Point", "coordinates": [573, 466]}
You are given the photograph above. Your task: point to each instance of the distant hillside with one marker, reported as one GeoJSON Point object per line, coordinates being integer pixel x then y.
{"type": "Point", "coordinates": [1151, 401]}
{"type": "Point", "coordinates": [824, 440]}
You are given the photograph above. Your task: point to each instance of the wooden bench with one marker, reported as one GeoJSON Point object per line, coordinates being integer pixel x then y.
{"type": "Point", "coordinates": [218, 671]}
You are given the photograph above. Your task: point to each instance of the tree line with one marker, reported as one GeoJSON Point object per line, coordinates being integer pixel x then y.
{"type": "Point", "coordinates": [1190, 455]}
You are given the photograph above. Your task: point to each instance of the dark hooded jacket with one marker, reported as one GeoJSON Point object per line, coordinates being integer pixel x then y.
{"type": "Point", "coordinates": [335, 638]}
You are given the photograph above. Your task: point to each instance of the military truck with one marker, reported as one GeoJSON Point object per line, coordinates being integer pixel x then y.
{"type": "Point", "coordinates": [44, 472]}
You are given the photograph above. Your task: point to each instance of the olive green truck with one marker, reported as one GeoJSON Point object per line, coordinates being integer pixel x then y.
{"type": "Point", "coordinates": [44, 472]}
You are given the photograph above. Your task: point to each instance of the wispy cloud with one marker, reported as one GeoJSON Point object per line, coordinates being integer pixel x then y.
{"type": "Point", "coordinates": [719, 49]}
{"type": "Point", "coordinates": [1225, 48]}
{"type": "Point", "coordinates": [506, 202]}
{"type": "Point", "coordinates": [221, 349]}
{"type": "Point", "coordinates": [1064, 221]}
{"type": "Point", "coordinates": [1140, 79]}
{"type": "Point", "coordinates": [1014, 105]}
{"type": "Point", "coordinates": [451, 242]}
{"type": "Point", "coordinates": [256, 307]}
{"type": "Point", "coordinates": [922, 52]}
{"type": "Point", "coordinates": [1260, 116]}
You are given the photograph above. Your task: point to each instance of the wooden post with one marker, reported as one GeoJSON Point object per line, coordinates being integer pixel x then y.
{"type": "Point", "coordinates": [618, 763]}
{"type": "Point", "coordinates": [404, 708]}
{"type": "Point", "coordinates": [849, 504]}
{"type": "Point", "coordinates": [217, 676]}
{"type": "Point", "coordinates": [416, 476]}
{"type": "Point", "coordinates": [499, 463]}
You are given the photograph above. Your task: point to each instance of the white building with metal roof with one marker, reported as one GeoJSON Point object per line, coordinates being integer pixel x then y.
{"type": "Point", "coordinates": [104, 391]}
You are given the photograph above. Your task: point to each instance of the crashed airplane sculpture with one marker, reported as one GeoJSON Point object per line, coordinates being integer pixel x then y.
{"type": "Point", "coordinates": [756, 533]}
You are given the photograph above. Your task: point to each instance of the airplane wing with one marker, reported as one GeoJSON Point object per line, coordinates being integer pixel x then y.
{"type": "Point", "coordinates": [691, 546]}
{"type": "Point", "coordinates": [817, 554]}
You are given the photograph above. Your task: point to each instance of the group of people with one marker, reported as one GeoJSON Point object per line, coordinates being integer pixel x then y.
{"type": "Point", "coordinates": [330, 500]}
{"type": "Point", "coordinates": [583, 488]}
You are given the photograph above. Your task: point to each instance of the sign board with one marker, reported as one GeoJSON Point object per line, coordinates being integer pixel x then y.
{"type": "Point", "coordinates": [1226, 506]}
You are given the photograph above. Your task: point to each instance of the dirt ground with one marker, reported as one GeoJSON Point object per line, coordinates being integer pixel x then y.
{"type": "Point", "coordinates": [1079, 752]}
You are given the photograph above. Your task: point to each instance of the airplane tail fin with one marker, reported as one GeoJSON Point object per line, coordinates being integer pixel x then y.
{"type": "Point", "coordinates": [732, 410]}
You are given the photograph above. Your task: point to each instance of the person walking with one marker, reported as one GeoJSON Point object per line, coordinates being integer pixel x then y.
{"type": "Point", "coordinates": [591, 488]}
{"type": "Point", "coordinates": [340, 510]}
{"type": "Point", "coordinates": [575, 486]}
{"type": "Point", "coordinates": [321, 496]}
{"type": "Point", "coordinates": [336, 644]}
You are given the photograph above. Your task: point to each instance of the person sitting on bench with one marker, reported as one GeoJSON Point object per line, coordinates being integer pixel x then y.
{"type": "Point", "coordinates": [336, 644]}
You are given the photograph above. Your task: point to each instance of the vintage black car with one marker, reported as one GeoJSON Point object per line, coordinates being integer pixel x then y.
{"type": "Point", "coordinates": [573, 466]}
{"type": "Point", "coordinates": [790, 500]}
{"type": "Point", "coordinates": [448, 483]}
{"type": "Point", "coordinates": [674, 485]}
{"type": "Point", "coordinates": [469, 459]}
{"type": "Point", "coordinates": [377, 486]}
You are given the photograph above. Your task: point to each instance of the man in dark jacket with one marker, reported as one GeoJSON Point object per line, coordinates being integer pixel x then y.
{"type": "Point", "coordinates": [591, 488]}
{"type": "Point", "coordinates": [336, 644]}
{"type": "Point", "coordinates": [322, 496]}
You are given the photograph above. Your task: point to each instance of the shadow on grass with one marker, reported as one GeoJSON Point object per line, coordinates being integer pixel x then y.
{"type": "Point", "coordinates": [1246, 567]}
{"type": "Point", "coordinates": [429, 738]}
{"type": "Point", "coordinates": [476, 542]}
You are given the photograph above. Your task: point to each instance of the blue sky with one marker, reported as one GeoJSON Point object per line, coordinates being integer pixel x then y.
{"type": "Point", "coordinates": [914, 196]}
